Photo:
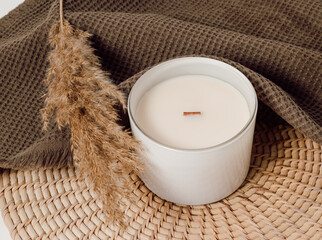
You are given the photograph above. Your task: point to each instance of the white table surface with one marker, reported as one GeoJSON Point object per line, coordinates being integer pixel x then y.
{"type": "Point", "coordinates": [4, 233]}
{"type": "Point", "coordinates": [5, 7]}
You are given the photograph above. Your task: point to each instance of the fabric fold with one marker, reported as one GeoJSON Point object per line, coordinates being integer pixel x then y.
{"type": "Point", "coordinates": [277, 45]}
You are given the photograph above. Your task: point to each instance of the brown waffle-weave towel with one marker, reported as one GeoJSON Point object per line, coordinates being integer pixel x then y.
{"type": "Point", "coordinates": [276, 44]}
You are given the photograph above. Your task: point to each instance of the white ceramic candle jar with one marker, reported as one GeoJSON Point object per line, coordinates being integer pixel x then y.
{"type": "Point", "coordinates": [195, 171]}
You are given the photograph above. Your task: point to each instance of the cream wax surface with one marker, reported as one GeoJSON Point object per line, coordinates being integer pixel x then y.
{"type": "Point", "coordinates": [223, 112]}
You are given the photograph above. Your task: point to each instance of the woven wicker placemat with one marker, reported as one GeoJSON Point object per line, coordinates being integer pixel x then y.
{"type": "Point", "coordinates": [280, 199]}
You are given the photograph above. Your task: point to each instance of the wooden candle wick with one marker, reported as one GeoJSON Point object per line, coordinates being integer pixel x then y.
{"type": "Point", "coordinates": [191, 113]}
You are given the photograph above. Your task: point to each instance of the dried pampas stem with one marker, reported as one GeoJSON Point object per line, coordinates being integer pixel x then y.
{"type": "Point", "coordinates": [61, 14]}
{"type": "Point", "coordinates": [81, 96]}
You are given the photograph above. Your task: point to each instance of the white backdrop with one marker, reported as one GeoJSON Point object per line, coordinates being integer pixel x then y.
{"type": "Point", "coordinates": [7, 5]}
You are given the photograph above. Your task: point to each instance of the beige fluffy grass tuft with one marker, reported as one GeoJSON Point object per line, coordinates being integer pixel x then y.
{"type": "Point", "coordinates": [81, 96]}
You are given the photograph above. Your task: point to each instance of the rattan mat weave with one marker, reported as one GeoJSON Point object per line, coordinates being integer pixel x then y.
{"type": "Point", "coordinates": [280, 199]}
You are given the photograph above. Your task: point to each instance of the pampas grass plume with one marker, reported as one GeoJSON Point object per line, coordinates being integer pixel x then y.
{"type": "Point", "coordinates": [81, 96]}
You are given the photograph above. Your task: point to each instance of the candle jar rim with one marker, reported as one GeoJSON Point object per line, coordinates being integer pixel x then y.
{"type": "Point", "coordinates": [197, 150]}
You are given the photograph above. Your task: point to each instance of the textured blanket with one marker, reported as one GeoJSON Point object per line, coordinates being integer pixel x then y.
{"type": "Point", "coordinates": [276, 44]}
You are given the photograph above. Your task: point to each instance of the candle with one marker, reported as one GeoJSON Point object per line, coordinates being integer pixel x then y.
{"type": "Point", "coordinates": [192, 112]}
{"type": "Point", "coordinates": [195, 120]}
